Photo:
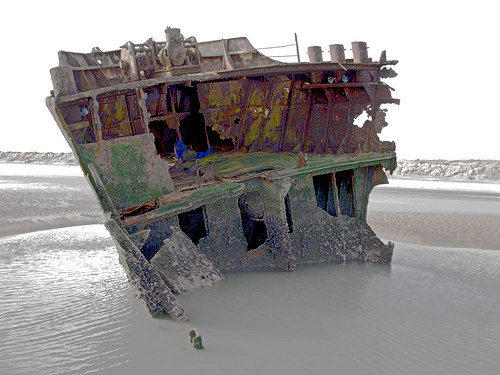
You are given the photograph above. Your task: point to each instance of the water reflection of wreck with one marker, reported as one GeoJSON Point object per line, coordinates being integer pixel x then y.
{"type": "Point", "coordinates": [211, 156]}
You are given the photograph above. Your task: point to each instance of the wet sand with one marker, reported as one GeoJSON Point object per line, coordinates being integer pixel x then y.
{"type": "Point", "coordinates": [436, 218]}
{"type": "Point", "coordinates": [437, 230]}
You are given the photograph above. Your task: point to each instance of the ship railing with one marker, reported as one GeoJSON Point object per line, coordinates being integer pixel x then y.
{"type": "Point", "coordinates": [296, 45]}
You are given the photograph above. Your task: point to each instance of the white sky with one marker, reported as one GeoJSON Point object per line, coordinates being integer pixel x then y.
{"type": "Point", "coordinates": [447, 50]}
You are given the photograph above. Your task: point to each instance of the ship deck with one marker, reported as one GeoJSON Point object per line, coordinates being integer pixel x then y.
{"type": "Point", "coordinates": [234, 168]}
{"type": "Point", "coordinates": [242, 166]}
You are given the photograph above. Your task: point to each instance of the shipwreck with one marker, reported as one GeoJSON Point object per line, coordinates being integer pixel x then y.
{"type": "Point", "coordinates": [210, 156]}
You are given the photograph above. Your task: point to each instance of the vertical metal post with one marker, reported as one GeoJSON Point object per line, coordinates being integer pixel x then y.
{"type": "Point", "coordinates": [297, 46]}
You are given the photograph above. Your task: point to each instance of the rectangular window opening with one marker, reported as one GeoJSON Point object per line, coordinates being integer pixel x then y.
{"type": "Point", "coordinates": [192, 223]}
{"type": "Point", "coordinates": [345, 186]}
{"type": "Point", "coordinates": [325, 193]}
{"type": "Point", "coordinates": [253, 219]}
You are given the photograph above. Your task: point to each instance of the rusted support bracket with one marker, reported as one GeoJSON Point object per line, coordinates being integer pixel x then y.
{"type": "Point", "coordinates": [308, 120]}
{"type": "Point", "coordinates": [94, 110]}
{"type": "Point", "coordinates": [310, 86]}
{"type": "Point", "coordinates": [243, 124]}
{"type": "Point", "coordinates": [146, 116]}
{"type": "Point", "coordinates": [325, 139]}
{"type": "Point", "coordinates": [268, 88]}
{"type": "Point", "coordinates": [285, 119]}
{"type": "Point", "coordinates": [228, 63]}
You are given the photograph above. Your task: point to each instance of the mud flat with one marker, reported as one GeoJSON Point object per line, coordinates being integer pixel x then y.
{"type": "Point", "coordinates": [468, 219]}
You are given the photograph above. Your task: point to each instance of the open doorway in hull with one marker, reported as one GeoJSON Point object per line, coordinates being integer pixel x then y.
{"type": "Point", "coordinates": [165, 137]}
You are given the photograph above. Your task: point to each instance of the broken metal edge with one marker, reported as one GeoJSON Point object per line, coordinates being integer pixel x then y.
{"type": "Point", "coordinates": [152, 289]}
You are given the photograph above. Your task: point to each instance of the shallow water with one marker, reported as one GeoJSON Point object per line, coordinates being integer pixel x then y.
{"type": "Point", "coordinates": [38, 197]}
{"type": "Point", "coordinates": [67, 308]}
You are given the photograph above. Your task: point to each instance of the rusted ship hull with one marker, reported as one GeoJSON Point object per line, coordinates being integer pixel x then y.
{"type": "Point", "coordinates": [210, 157]}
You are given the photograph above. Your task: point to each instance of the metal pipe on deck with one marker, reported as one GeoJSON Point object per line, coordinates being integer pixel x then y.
{"type": "Point", "coordinates": [337, 52]}
{"type": "Point", "coordinates": [360, 52]}
{"type": "Point", "coordinates": [315, 54]}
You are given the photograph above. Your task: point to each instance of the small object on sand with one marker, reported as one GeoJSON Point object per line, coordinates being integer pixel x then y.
{"type": "Point", "coordinates": [195, 338]}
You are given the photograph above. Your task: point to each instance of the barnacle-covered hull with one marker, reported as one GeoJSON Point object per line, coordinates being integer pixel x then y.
{"type": "Point", "coordinates": [209, 157]}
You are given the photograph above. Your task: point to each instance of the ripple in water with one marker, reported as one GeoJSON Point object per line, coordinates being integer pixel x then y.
{"type": "Point", "coordinates": [65, 302]}
{"type": "Point", "coordinates": [67, 308]}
